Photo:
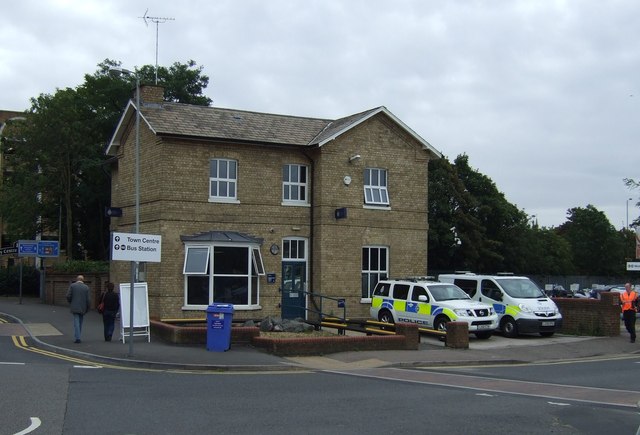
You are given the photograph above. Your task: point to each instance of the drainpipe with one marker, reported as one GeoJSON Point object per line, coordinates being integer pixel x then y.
{"type": "Point", "coordinates": [311, 231]}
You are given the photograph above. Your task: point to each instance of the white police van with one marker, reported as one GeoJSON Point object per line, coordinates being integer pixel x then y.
{"type": "Point", "coordinates": [520, 304]}
{"type": "Point", "coordinates": [430, 304]}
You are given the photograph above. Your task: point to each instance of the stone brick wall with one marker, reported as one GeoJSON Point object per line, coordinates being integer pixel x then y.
{"type": "Point", "coordinates": [402, 228]}
{"type": "Point", "coordinates": [57, 284]}
{"type": "Point", "coordinates": [591, 316]}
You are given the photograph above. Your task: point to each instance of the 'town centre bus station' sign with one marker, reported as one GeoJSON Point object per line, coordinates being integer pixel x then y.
{"type": "Point", "coordinates": [136, 247]}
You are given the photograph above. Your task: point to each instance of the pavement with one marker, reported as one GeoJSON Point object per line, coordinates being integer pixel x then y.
{"type": "Point", "coordinates": [50, 328]}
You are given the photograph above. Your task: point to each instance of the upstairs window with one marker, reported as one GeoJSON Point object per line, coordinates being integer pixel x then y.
{"type": "Point", "coordinates": [294, 184]}
{"type": "Point", "coordinates": [223, 180]}
{"type": "Point", "coordinates": [375, 187]}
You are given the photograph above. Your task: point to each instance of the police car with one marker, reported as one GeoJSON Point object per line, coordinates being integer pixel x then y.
{"type": "Point", "coordinates": [430, 304]}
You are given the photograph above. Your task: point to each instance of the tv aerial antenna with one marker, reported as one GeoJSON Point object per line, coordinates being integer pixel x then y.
{"type": "Point", "coordinates": [157, 20]}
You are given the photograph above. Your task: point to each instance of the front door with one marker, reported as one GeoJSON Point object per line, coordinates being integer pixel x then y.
{"type": "Point", "coordinates": [293, 290]}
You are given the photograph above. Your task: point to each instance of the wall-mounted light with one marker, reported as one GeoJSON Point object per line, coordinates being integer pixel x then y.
{"type": "Point", "coordinates": [354, 158]}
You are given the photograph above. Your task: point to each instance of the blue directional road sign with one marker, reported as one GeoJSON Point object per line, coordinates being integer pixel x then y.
{"type": "Point", "coordinates": [27, 248]}
{"type": "Point", "coordinates": [38, 248]}
{"type": "Point", "coordinates": [48, 248]}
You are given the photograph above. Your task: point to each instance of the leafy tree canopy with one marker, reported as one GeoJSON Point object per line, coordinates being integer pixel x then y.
{"type": "Point", "coordinates": [595, 245]}
{"type": "Point", "coordinates": [473, 227]}
{"type": "Point", "coordinates": [59, 181]}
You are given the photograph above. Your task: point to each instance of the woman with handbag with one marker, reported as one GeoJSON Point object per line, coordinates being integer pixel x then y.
{"type": "Point", "coordinates": [111, 305]}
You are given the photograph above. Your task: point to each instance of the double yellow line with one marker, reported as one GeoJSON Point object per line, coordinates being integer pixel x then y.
{"type": "Point", "coordinates": [20, 342]}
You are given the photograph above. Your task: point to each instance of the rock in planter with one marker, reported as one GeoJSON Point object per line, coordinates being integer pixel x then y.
{"type": "Point", "coordinates": [276, 324]}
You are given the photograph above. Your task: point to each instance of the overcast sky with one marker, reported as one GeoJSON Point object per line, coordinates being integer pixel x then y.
{"type": "Point", "coordinates": [543, 96]}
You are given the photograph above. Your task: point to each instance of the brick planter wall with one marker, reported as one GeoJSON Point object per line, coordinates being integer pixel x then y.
{"type": "Point", "coordinates": [327, 345]}
{"type": "Point", "coordinates": [591, 316]}
{"type": "Point", "coordinates": [198, 334]}
{"type": "Point", "coordinates": [407, 338]}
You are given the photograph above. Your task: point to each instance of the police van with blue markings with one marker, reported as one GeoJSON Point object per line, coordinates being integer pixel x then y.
{"type": "Point", "coordinates": [522, 307]}
{"type": "Point", "coordinates": [431, 305]}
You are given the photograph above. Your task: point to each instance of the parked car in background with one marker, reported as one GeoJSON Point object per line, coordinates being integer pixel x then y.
{"type": "Point", "coordinates": [595, 292]}
{"type": "Point", "coordinates": [557, 291]}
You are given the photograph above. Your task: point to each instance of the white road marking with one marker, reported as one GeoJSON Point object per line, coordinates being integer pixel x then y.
{"type": "Point", "coordinates": [559, 404]}
{"type": "Point", "coordinates": [12, 363]}
{"type": "Point", "coordinates": [35, 424]}
{"type": "Point", "coordinates": [86, 367]}
{"type": "Point", "coordinates": [485, 394]}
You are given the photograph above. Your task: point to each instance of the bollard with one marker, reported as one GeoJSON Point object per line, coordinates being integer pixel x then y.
{"type": "Point", "coordinates": [457, 335]}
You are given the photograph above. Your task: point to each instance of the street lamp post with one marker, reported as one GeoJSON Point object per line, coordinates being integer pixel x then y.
{"type": "Point", "coordinates": [629, 199]}
{"type": "Point", "coordinates": [119, 70]}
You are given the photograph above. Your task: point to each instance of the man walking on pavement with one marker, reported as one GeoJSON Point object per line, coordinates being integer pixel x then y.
{"type": "Point", "coordinates": [629, 302]}
{"type": "Point", "coordinates": [78, 298]}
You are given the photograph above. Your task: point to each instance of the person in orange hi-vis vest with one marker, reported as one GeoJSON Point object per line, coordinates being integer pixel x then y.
{"type": "Point", "coordinates": [629, 302]}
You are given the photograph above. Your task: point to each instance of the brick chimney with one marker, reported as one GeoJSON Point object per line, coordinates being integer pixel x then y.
{"type": "Point", "coordinates": [151, 94]}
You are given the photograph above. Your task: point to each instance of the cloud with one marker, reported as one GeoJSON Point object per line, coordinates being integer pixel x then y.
{"type": "Point", "coordinates": [536, 93]}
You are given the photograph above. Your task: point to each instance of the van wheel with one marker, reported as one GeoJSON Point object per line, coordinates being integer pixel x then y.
{"type": "Point", "coordinates": [385, 316]}
{"type": "Point", "coordinates": [483, 335]}
{"type": "Point", "coordinates": [546, 334]}
{"type": "Point", "coordinates": [509, 327]}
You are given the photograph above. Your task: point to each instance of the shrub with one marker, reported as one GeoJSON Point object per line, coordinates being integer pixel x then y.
{"type": "Point", "coordinates": [79, 266]}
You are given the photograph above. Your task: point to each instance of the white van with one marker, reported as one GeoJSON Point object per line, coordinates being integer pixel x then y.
{"type": "Point", "coordinates": [430, 304]}
{"type": "Point", "coordinates": [520, 304]}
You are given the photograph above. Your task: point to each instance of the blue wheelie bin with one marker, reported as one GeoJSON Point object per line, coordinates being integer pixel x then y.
{"type": "Point", "coordinates": [219, 317]}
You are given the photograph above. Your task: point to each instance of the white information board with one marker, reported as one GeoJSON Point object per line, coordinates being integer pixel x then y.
{"type": "Point", "coordinates": [140, 310]}
{"type": "Point", "coordinates": [136, 247]}
{"type": "Point", "coordinates": [633, 266]}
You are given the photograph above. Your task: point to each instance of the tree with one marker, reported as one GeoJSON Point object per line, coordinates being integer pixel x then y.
{"type": "Point", "coordinates": [452, 233]}
{"type": "Point", "coordinates": [473, 227]}
{"type": "Point", "coordinates": [59, 168]}
{"type": "Point", "coordinates": [546, 253]}
{"type": "Point", "coordinates": [596, 247]}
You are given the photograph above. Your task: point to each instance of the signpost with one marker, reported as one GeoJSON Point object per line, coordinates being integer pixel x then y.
{"type": "Point", "coordinates": [135, 248]}
{"type": "Point", "coordinates": [27, 248]}
{"type": "Point", "coordinates": [36, 248]}
{"type": "Point", "coordinates": [48, 248]}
